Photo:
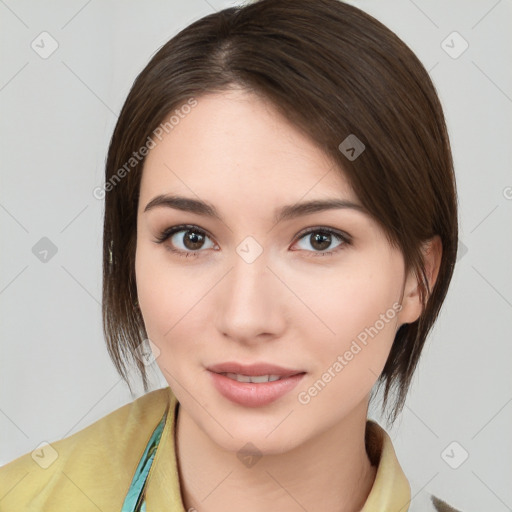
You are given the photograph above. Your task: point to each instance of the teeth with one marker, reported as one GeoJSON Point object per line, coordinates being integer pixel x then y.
{"type": "Point", "coordinates": [252, 378]}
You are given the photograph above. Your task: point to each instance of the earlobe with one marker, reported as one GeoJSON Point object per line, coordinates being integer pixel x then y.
{"type": "Point", "coordinates": [412, 306]}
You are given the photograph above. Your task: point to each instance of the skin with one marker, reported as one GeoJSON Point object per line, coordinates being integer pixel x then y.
{"type": "Point", "coordinates": [288, 307]}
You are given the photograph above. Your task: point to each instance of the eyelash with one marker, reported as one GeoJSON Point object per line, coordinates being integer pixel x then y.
{"type": "Point", "coordinates": [167, 233]}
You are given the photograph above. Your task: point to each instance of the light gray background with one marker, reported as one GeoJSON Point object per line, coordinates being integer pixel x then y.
{"type": "Point", "coordinates": [56, 120]}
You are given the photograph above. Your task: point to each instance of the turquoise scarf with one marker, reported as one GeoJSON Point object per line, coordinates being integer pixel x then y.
{"type": "Point", "coordinates": [135, 498]}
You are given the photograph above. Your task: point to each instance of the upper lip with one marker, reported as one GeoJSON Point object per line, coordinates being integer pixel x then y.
{"type": "Point", "coordinates": [253, 369]}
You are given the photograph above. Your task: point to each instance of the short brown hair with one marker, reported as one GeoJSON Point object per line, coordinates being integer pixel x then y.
{"type": "Point", "coordinates": [333, 71]}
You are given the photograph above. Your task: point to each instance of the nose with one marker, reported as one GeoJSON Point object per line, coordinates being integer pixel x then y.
{"type": "Point", "coordinates": [251, 302]}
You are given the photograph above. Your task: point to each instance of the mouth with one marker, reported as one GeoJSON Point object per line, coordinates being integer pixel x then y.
{"type": "Point", "coordinates": [254, 385]}
{"type": "Point", "coordinates": [252, 378]}
{"type": "Point", "coordinates": [260, 372]}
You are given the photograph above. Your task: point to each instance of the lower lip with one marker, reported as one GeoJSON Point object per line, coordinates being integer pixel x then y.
{"type": "Point", "coordinates": [253, 394]}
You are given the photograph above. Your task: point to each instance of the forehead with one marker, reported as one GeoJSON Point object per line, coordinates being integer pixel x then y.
{"type": "Point", "coordinates": [236, 144]}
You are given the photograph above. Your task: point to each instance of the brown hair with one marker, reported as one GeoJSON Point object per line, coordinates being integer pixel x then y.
{"type": "Point", "coordinates": [333, 71]}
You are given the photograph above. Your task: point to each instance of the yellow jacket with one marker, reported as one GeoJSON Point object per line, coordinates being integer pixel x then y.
{"type": "Point", "coordinates": [92, 469]}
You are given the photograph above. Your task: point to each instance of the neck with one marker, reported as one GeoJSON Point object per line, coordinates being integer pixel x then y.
{"type": "Point", "coordinates": [330, 472]}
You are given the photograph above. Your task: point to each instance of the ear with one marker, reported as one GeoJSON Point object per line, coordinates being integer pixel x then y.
{"type": "Point", "coordinates": [411, 301]}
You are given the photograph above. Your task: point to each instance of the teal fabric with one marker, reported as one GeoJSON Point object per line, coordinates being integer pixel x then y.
{"type": "Point", "coordinates": [135, 500]}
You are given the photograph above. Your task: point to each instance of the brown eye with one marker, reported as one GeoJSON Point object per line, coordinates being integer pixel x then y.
{"type": "Point", "coordinates": [320, 239]}
{"type": "Point", "coordinates": [184, 240]}
{"type": "Point", "coordinates": [193, 240]}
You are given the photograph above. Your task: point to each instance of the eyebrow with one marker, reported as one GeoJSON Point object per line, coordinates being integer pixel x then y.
{"type": "Point", "coordinates": [206, 209]}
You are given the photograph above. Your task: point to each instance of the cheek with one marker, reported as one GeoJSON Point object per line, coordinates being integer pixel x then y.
{"type": "Point", "coordinates": [347, 303]}
{"type": "Point", "coordinates": [346, 365]}
{"type": "Point", "coordinates": [158, 299]}
{"type": "Point", "coordinates": [356, 321]}
{"type": "Point", "coordinates": [169, 299]}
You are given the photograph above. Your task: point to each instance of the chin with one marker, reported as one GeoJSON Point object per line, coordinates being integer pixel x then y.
{"type": "Point", "coordinates": [264, 435]}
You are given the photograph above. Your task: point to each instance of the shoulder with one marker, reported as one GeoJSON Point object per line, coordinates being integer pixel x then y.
{"type": "Point", "coordinates": [94, 465]}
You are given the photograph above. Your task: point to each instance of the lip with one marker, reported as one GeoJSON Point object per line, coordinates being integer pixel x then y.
{"type": "Point", "coordinates": [254, 394]}
{"type": "Point", "coordinates": [253, 369]}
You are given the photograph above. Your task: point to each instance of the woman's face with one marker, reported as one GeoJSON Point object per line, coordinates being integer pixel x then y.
{"type": "Point", "coordinates": [247, 288]}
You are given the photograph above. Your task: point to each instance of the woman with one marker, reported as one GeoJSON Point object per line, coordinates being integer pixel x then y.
{"type": "Point", "coordinates": [280, 231]}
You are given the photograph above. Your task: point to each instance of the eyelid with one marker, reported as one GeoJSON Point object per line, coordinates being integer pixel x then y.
{"type": "Point", "coordinates": [172, 230]}
{"type": "Point", "coordinates": [180, 227]}
{"type": "Point", "coordinates": [334, 231]}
